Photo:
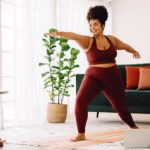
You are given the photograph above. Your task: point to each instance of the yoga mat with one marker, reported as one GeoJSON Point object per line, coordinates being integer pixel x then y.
{"type": "Point", "coordinates": [63, 142]}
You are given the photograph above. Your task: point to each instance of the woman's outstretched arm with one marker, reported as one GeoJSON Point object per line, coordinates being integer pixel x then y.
{"type": "Point", "coordinates": [83, 40]}
{"type": "Point", "coordinates": [120, 45]}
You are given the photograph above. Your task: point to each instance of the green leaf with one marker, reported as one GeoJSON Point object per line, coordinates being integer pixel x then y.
{"type": "Point", "coordinates": [70, 86]}
{"type": "Point", "coordinates": [47, 83]}
{"type": "Point", "coordinates": [47, 79]}
{"type": "Point", "coordinates": [72, 76]}
{"type": "Point", "coordinates": [63, 40]}
{"type": "Point", "coordinates": [50, 52]}
{"type": "Point", "coordinates": [73, 57]}
{"type": "Point", "coordinates": [42, 64]}
{"type": "Point", "coordinates": [46, 45]}
{"type": "Point", "coordinates": [67, 81]}
{"type": "Point", "coordinates": [66, 68]}
{"type": "Point", "coordinates": [60, 64]}
{"type": "Point", "coordinates": [67, 95]}
{"type": "Point", "coordinates": [62, 76]}
{"type": "Point", "coordinates": [56, 39]}
{"type": "Point", "coordinates": [44, 74]}
{"type": "Point", "coordinates": [46, 86]}
{"type": "Point", "coordinates": [45, 41]}
{"type": "Point", "coordinates": [52, 46]}
{"type": "Point", "coordinates": [66, 59]}
{"type": "Point", "coordinates": [71, 62]}
{"type": "Point", "coordinates": [56, 67]}
{"type": "Point", "coordinates": [51, 94]}
{"type": "Point", "coordinates": [75, 66]}
{"type": "Point", "coordinates": [49, 58]}
{"type": "Point", "coordinates": [74, 51]}
{"type": "Point", "coordinates": [61, 54]}
{"type": "Point", "coordinates": [65, 46]}
{"type": "Point", "coordinates": [53, 82]}
{"type": "Point", "coordinates": [56, 87]}
{"type": "Point", "coordinates": [53, 30]}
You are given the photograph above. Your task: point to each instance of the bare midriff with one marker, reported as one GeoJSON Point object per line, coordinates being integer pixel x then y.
{"type": "Point", "coordinates": [103, 65]}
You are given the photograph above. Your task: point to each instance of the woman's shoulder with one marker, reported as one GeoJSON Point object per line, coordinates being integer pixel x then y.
{"type": "Point", "coordinates": [112, 38]}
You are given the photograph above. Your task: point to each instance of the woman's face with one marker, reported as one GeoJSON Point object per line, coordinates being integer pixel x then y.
{"type": "Point", "coordinates": [95, 27]}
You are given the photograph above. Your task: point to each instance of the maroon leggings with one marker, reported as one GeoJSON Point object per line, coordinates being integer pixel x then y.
{"type": "Point", "coordinates": [109, 81]}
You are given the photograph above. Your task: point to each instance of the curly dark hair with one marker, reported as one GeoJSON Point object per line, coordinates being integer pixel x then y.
{"type": "Point", "coordinates": [98, 12]}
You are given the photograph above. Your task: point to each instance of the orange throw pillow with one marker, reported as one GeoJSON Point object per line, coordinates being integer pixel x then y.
{"type": "Point", "coordinates": [132, 76]}
{"type": "Point", "coordinates": [144, 80]}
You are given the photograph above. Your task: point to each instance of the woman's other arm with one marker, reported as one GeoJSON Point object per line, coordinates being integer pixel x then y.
{"type": "Point", "coordinates": [120, 45]}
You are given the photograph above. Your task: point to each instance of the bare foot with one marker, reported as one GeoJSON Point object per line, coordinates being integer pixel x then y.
{"type": "Point", "coordinates": [79, 137]}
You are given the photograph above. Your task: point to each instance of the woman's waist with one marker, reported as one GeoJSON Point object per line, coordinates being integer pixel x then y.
{"type": "Point", "coordinates": [102, 70]}
{"type": "Point", "coordinates": [105, 65]}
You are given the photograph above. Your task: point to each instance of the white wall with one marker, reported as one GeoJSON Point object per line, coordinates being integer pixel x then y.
{"type": "Point", "coordinates": [131, 23]}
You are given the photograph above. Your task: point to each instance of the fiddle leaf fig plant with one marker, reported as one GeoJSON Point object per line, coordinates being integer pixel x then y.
{"type": "Point", "coordinates": [59, 65]}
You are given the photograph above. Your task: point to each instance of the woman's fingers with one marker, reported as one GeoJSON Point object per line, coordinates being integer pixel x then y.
{"type": "Point", "coordinates": [136, 55]}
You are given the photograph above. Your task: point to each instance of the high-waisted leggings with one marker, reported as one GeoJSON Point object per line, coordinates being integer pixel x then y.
{"type": "Point", "coordinates": [107, 80]}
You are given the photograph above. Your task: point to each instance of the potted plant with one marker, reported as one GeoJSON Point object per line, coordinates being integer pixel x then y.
{"type": "Point", "coordinates": [59, 64]}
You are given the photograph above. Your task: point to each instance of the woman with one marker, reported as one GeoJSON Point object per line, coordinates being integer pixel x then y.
{"type": "Point", "coordinates": [102, 73]}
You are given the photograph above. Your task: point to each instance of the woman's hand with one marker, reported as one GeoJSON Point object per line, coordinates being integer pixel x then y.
{"type": "Point", "coordinates": [136, 55]}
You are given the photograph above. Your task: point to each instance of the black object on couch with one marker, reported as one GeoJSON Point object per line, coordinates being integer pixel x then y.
{"type": "Point", "coordinates": [138, 101]}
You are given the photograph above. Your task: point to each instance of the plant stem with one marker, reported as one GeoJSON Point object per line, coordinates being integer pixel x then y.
{"type": "Point", "coordinates": [65, 85]}
{"type": "Point", "coordinates": [59, 82]}
{"type": "Point", "coordinates": [50, 70]}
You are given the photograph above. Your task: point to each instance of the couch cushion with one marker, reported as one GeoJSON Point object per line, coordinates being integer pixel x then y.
{"type": "Point", "coordinates": [138, 97]}
{"type": "Point", "coordinates": [132, 76]}
{"type": "Point", "coordinates": [144, 79]}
